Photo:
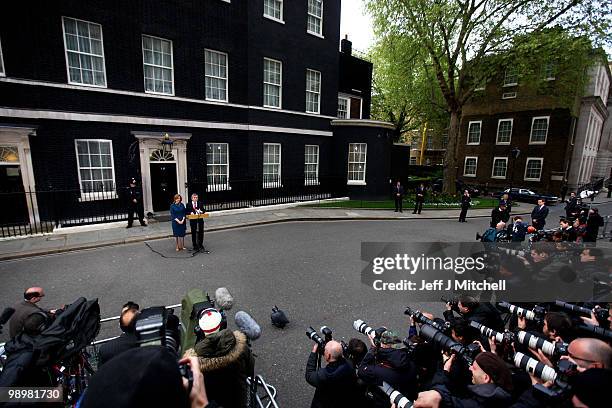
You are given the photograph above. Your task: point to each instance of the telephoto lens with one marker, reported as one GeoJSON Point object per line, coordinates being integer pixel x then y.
{"type": "Point", "coordinates": [448, 344]}
{"type": "Point", "coordinates": [363, 328]}
{"type": "Point", "coordinates": [421, 318]}
{"type": "Point", "coordinates": [521, 312]}
{"type": "Point", "coordinates": [395, 396]}
{"type": "Point", "coordinates": [314, 336]}
{"type": "Point", "coordinates": [533, 366]}
{"type": "Point", "coordinates": [549, 348]}
{"type": "Point", "coordinates": [488, 332]}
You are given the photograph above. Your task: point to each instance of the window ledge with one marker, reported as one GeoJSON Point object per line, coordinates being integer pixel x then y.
{"type": "Point", "coordinates": [272, 107]}
{"type": "Point", "coordinates": [530, 179]}
{"type": "Point", "coordinates": [498, 177]}
{"type": "Point", "coordinates": [215, 100]}
{"type": "Point", "coordinates": [314, 113]}
{"type": "Point", "coordinates": [315, 34]}
{"type": "Point", "coordinates": [273, 19]}
{"type": "Point", "coordinates": [159, 93]}
{"type": "Point", "coordinates": [502, 143]}
{"type": "Point", "coordinates": [509, 85]}
{"type": "Point", "coordinates": [86, 85]}
{"type": "Point", "coordinates": [469, 175]}
{"type": "Point", "coordinates": [356, 183]}
{"type": "Point", "coordinates": [213, 188]}
{"type": "Point", "coordinates": [272, 185]}
{"type": "Point", "coordinates": [473, 144]}
{"type": "Point", "coordinates": [107, 195]}
{"type": "Point", "coordinates": [312, 183]}
{"type": "Point", "coordinates": [536, 143]}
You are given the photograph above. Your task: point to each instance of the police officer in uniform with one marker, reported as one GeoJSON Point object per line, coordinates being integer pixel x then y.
{"type": "Point", "coordinates": [135, 204]}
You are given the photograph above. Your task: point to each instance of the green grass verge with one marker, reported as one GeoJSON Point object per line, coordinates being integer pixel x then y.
{"type": "Point", "coordinates": [408, 204]}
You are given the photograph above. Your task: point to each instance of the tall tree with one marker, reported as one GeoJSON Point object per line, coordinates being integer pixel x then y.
{"type": "Point", "coordinates": [465, 41]}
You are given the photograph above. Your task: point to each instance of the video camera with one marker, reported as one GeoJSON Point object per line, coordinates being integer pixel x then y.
{"type": "Point", "coordinates": [536, 314]}
{"type": "Point", "coordinates": [158, 326]}
{"type": "Point", "coordinates": [419, 317]}
{"type": "Point", "coordinates": [467, 353]}
{"type": "Point", "coordinates": [202, 311]}
{"type": "Point", "coordinates": [601, 314]}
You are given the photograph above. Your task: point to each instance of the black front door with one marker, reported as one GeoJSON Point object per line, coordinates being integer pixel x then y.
{"type": "Point", "coordinates": [163, 185]}
{"type": "Point", "coordinates": [13, 204]}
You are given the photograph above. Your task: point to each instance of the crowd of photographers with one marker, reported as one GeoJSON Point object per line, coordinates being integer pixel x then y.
{"type": "Point", "coordinates": [158, 359]}
{"type": "Point", "coordinates": [475, 355]}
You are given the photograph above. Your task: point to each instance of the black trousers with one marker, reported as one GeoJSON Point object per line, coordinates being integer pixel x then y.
{"type": "Point", "coordinates": [463, 213]}
{"type": "Point", "coordinates": [418, 206]}
{"type": "Point", "coordinates": [135, 208]}
{"type": "Point", "coordinates": [197, 233]}
{"type": "Point", "coordinates": [398, 203]}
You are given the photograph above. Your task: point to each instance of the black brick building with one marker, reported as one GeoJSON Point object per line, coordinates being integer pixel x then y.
{"type": "Point", "coordinates": [246, 94]}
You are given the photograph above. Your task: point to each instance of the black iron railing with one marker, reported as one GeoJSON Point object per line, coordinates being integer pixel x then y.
{"type": "Point", "coordinates": [40, 211]}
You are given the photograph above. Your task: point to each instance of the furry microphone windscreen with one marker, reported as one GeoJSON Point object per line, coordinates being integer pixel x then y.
{"type": "Point", "coordinates": [247, 325]}
{"type": "Point", "coordinates": [223, 299]}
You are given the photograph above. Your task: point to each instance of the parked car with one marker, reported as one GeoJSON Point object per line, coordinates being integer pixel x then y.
{"type": "Point", "coordinates": [527, 196]}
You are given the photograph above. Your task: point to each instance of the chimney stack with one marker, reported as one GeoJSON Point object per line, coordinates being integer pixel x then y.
{"type": "Point", "coordinates": [346, 46]}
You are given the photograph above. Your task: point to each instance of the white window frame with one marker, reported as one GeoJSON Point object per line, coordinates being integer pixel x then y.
{"type": "Point", "coordinates": [96, 196]}
{"type": "Point", "coordinates": [3, 71]}
{"type": "Point", "coordinates": [278, 20]}
{"type": "Point", "coordinates": [158, 66]}
{"type": "Point", "coordinates": [541, 160]}
{"type": "Point", "coordinates": [311, 181]}
{"type": "Point", "coordinates": [79, 52]}
{"type": "Point", "coordinates": [348, 107]}
{"type": "Point", "coordinates": [280, 85]}
{"type": "Point", "coordinates": [226, 76]}
{"type": "Point", "coordinates": [413, 161]}
{"type": "Point", "coordinates": [475, 167]}
{"type": "Point", "coordinates": [506, 72]}
{"type": "Point", "coordinates": [545, 69]}
{"type": "Point", "coordinates": [499, 122]}
{"type": "Point", "coordinates": [320, 35]}
{"type": "Point", "coordinates": [531, 131]}
{"type": "Point", "coordinates": [467, 142]}
{"type": "Point", "coordinates": [348, 98]}
{"type": "Point", "coordinates": [218, 186]}
{"type": "Point", "coordinates": [280, 166]}
{"type": "Point", "coordinates": [509, 95]}
{"type": "Point", "coordinates": [505, 159]}
{"type": "Point", "coordinates": [318, 93]}
{"type": "Point", "coordinates": [361, 182]}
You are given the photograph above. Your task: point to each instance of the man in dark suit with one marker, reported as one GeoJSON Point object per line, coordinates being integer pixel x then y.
{"type": "Point", "coordinates": [398, 195]}
{"type": "Point", "coordinates": [419, 199]}
{"type": "Point", "coordinates": [195, 207]}
{"type": "Point", "coordinates": [499, 214]}
{"type": "Point", "coordinates": [135, 204]}
{"type": "Point", "coordinates": [538, 215]}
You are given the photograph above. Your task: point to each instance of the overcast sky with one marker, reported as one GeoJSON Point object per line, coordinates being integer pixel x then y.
{"type": "Point", "coordinates": [357, 25]}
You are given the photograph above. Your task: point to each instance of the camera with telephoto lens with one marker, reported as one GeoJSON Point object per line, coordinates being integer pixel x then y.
{"type": "Point", "coordinates": [536, 314]}
{"type": "Point", "coordinates": [543, 235]}
{"type": "Point", "coordinates": [467, 353]}
{"type": "Point", "coordinates": [500, 338]}
{"type": "Point", "coordinates": [396, 397]}
{"type": "Point", "coordinates": [453, 303]}
{"type": "Point", "coordinates": [601, 314]}
{"type": "Point", "coordinates": [363, 328]}
{"type": "Point", "coordinates": [560, 390]}
{"type": "Point", "coordinates": [327, 333]}
{"type": "Point", "coordinates": [534, 367]}
{"type": "Point", "coordinates": [420, 318]}
{"type": "Point", "coordinates": [553, 349]}
{"type": "Point", "coordinates": [158, 326]}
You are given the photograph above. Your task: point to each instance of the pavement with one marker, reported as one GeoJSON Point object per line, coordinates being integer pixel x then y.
{"type": "Point", "coordinates": [104, 235]}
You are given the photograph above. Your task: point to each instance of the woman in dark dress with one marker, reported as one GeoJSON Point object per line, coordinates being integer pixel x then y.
{"type": "Point", "coordinates": [466, 202]}
{"type": "Point", "coordinates": [179, 226]}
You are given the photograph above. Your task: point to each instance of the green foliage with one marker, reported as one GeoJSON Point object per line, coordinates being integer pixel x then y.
{"type": "Point", "coordinates": [463, 43]}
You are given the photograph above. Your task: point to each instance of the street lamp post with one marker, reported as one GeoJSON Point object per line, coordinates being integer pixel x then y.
{"type": "Point", "coordinates": [515, 154]}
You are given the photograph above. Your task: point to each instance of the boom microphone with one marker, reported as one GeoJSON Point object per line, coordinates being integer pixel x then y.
{"type": "Point", "coordinates": [6, 315]}
{"type": "Point", "coordinates": [247, 325]}
{"type": "Point", "coordinates": [223, 299]}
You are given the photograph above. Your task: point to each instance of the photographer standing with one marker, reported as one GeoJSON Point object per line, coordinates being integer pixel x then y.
{"type": "Point", "coordinates": [336, 384]}
{"type": "Point", "coordinates": [390, 362]}
{"type": "Point", "coordinates": [470, 309]}
{"type": "Point", "coordinates": [25, 308]}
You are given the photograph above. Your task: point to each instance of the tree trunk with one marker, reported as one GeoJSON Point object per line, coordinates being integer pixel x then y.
{"type": "Point", "coordinates": [450, 158]}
